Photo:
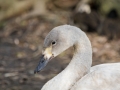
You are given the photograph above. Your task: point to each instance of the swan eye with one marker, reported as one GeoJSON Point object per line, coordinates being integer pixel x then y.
{"type": "Point", "coordinates": [53, 43]}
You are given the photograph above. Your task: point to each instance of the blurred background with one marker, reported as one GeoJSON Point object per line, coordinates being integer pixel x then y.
{"type": "Point", "coordinates": [25, 23]}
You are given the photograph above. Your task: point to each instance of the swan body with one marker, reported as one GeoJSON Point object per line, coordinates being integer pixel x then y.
{"type": "Point", "coordinates": [78, 75]}
{"type": "Point", "coordinates": [101, 77]}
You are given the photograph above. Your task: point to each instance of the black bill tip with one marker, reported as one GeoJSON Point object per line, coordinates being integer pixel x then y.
{"type": "Point", "coordinates": [42, 63]}
{"type": "Point", "coordinates": [35, 72]}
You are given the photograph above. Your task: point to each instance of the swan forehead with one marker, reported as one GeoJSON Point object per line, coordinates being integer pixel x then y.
{"type": "Point", "coordinates": [61, 34]}
{"type": "Point", "coordinates": [53, 35]}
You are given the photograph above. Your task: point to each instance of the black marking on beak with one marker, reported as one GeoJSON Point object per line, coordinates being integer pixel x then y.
{"type": "Point", "coordinates": [42, 63]}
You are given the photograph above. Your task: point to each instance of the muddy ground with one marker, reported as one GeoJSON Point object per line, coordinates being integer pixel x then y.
{"type": "Point", "coordinates": [20, 50]}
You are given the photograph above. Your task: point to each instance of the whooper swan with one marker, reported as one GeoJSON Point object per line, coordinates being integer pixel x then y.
{"type": "Point", "coordinates": [78, 75]}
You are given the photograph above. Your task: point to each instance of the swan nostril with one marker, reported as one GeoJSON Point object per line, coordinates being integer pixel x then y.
{"type": "Point", "coordinates": [42, 61]}
{"type": "Point", "coordinates": [43, 55]}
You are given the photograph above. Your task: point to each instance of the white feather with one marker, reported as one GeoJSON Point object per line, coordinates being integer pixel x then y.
{"type": "Point", "coordinates": [79, 75]}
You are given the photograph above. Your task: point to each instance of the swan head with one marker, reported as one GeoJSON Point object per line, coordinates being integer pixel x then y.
{"type": "Point", "coordinates": [58, 40]}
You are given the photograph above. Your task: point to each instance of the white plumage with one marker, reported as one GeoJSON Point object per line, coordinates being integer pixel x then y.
{"type": "Point", "coordinates": [79, 75]}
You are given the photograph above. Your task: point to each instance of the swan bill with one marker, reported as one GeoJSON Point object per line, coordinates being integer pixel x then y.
{"type": "Point", "coordinates": [44, 59]}
{"type": "Point", "coordinates": [42, 63]}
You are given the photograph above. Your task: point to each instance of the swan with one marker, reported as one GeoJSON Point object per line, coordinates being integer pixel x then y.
{"type": "Point", "coordinates": [78, 75]}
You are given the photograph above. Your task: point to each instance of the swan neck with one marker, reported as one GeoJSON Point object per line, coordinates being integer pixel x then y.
{"type": "Point", "coordinates": [82, 58]}
{"type": "Point", "coordinates": [79, 65]}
